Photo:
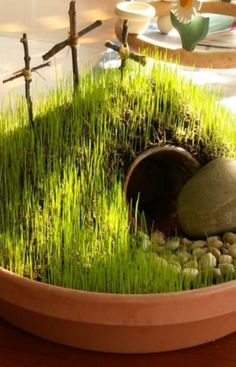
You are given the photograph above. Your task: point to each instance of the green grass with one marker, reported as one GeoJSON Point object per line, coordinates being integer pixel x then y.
{"type": "Point", "coordinates": [63, 215]}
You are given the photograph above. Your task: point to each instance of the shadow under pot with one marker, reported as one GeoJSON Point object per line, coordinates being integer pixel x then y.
{"type": "Point", "coordinates": [153, 183]}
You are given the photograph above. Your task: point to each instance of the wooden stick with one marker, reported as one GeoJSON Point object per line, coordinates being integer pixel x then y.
{"type": "Point", "coordinates": [112, 46]}
{"type": "Point", "coordinates": [138, 58]}
{"type": "Point", "coordinates": [125, 44]}
{"type": "Point", "coordinates": [55, 49]}
{"type": "Point", "coordinates": [27, 59]}
{"type": "Point", "coordinates": [73, 44]}
{"type": "Point", "coordinates": [91, 27]}
{"type": "Point", "coordinates": [41, 66]}
{"type": "Point", "coordinates": [13, 77]}
{"type": "Point", "coordinates": [125, 33]}
{"type": "Point", "coordinates": [20, 73]}
{"type": "Point", "coordinates": [59, 46]}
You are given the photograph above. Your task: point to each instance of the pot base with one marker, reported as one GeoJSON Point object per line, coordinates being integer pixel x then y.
{"type": "Point", "coordinates": [117, 323]}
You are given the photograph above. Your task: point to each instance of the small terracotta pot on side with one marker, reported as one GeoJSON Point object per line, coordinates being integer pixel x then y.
{"type": "Point", "coordinates": [118, 323]}
{"type": "Point", "coordinates": [154, 180]}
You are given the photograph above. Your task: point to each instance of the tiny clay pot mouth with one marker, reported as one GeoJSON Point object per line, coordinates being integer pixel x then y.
{"type": "Point", "coordinates": [153, 183]}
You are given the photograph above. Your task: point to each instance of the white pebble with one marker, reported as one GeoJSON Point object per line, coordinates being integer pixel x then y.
{"type": "Point", "coordinates": [225, 259]}
{"type": "Point", "coordinates": [226, 269]}
{"type": "Point", "coordinates": [215, 243]}
{"type": "Point", "coordinates": [214, 251]}
{"type": "Point", "coordinates": [229, 237]}
{"type": "Point", "coordinates": [199, 252]}
{"type": "Point", "coordinates": [232, 250]}
{"type": "Point", "coordinates": [193, 264]}
{"type": "Point", "coordinates": [198, 244]}
{"type": "Point", "coordinates": [208, 261]}
{"type": "Point", "coordinates": [172, 243]}
{"type": "Point", "coordinates": [190, 273]}
{"type": "Point", "coordinates": [158, 238]}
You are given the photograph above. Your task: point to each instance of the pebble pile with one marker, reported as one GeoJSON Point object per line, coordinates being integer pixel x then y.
{"type": "Point", "coordinates": [216, 254]}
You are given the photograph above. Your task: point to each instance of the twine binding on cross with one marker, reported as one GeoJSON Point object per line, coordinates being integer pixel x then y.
{"type": "Point", "coordinates": [124, 52]}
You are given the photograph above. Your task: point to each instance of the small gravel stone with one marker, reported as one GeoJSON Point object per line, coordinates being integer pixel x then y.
{"type": "Point", "coordinates": [146, 243]}
{"type": "Point", "coordinates": [191, 264]}
{"type": "Point", "coordinates": [226, 269]}
{"type": "Point", "coordinates": [169, 256]}
{"type": "Point", "coordinates": [225, 259]}
{"type": "Point", "coordinates": [215, 243]}
{"type": "Point", "coordinates": [184, 257]}
{"type": "Point", "coordinates": [175, 265]}
{"type": "Point", "coordinates": [158, 238]}
{"type": "Point", "coordinates": [190, 273]}
{"type": "Point", "coordinates": [186, 242]}
{"type": "Point", "coordinates": [161, 262]}
{"type": "Point", "coordinates": [232, 250]}
{"type": "Point", "coordinates": [216, 273]}
{"type": "Point", "coordinates": [159, 250]}
{"type": "Point", "coordinates": [213, 238]}
{"type": "Point", "coordinates": [172, 243]}
{"type": "Point", "coordinates": [214, 251]}
{"type": "Point", "coordinates": [229, 237]}
{"type": "Point", "coordinates": [173, 257]}
{"type": "Point", "coordinates": [207, 261]}
{"type": "Point", "coordinates": [198, 244]}
{"type": "Point", "coordinates": [224, 251]}
{"type": "Point", "coordinates": [144, 240]}
{"type": "Point", "coordinates": [199, 252]}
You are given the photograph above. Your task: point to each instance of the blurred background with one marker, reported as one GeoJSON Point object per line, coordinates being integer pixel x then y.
{"type": "Point", "coordinates": [46, 23]}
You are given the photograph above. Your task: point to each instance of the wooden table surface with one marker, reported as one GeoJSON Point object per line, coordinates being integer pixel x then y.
{"type": "Point", "coordinates": [19, 349]}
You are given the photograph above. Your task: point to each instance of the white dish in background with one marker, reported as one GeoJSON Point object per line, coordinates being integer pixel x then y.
{"type": "Point", "coordinates": [138, 13]}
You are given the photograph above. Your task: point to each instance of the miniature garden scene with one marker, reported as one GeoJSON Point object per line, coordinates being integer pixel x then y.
{"type": "Point", "coordinates": [117, 188]}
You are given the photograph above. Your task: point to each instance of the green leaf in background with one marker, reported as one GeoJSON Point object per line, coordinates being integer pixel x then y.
{"type": "Point", "coordinates": [191, 33]}
{"type": "Point", "coordinates": [220, 23]}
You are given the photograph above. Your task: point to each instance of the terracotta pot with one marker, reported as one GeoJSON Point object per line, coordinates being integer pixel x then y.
{"type": "Point", "coordinates": [155, 179]}
{"type": "Point", "coordinates": [118, 323]}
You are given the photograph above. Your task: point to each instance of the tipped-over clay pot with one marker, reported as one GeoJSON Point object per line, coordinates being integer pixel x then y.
{"type": "Point", "coordinates": [154, 180]}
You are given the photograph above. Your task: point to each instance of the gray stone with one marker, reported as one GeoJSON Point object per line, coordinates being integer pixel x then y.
{"type": "Point", "coordinates": [206, 205]}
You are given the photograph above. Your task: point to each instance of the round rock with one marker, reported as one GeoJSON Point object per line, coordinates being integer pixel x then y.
{"type": "Point", "coordinates": [206, 205]}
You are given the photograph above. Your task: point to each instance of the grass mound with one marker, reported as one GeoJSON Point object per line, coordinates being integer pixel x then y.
{"type": "Point", "coordinates": [63, 215]}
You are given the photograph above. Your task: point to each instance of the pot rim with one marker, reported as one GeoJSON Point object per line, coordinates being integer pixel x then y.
{"type": "Point", "coordinates": [119, 309]}
{"type": "Point", "coordinates": [147, 152]}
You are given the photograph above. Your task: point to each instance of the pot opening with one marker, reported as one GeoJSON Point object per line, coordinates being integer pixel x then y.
{"type": "Point", "coordinates": [153, 183]}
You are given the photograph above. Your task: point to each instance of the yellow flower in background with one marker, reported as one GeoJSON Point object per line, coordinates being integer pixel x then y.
{"type": "Point", "coordinates": [185, 10]}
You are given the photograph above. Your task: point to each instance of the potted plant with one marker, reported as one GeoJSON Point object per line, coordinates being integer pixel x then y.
{"type": "Point", "coordinates": [74, 268]}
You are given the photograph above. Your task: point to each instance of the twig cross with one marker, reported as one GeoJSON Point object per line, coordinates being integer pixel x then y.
{"type": "Point", "coordinates": [26, 72]}
{"type": "Point", "coordinates": [124, 51]}
{"type": "Point", "coordinates": [72, 42]}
